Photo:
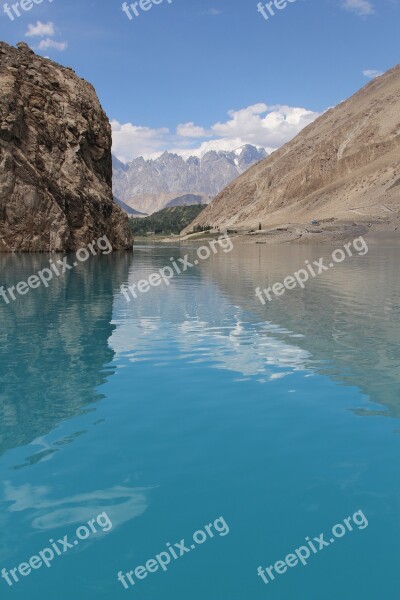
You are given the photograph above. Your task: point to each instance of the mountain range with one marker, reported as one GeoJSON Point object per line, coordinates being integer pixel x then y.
{"type": "Point", "coordinates": [344, 166]}
{"type": "Point", "coordinates": [170, 180]}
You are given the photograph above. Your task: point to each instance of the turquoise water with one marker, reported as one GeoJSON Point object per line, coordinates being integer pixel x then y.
{"type": "Point", "coordinates": [195, 402]}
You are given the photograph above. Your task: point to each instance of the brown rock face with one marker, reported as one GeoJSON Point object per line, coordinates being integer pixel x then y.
{"type": "Point", "coordinates": [55, 159]}
{"type": "Point", "coordinates": [345, 165]}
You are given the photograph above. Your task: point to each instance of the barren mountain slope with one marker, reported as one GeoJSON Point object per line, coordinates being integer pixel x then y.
{"type": "Point", "coordinates": [345, 165]}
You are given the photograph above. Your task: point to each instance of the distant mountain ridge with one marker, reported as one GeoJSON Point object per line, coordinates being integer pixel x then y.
{"type": "Point", "coordinates": [128, 209]}
{"type": "Point", "coordinates": [150, 185]}
{"type": "Point", "coordinates": [186, 200]}
{"type": "Point", "coordinates": [168, 221]}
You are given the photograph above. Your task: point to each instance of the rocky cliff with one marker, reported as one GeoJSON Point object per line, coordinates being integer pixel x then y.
{"type": "Point", "coordinates": [345, 166]}
{"type": "Point", "coordinates": [55, 159]}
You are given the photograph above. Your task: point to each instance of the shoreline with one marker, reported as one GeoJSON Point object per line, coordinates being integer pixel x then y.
{"type": "Point", "coordinates": [377, 231]}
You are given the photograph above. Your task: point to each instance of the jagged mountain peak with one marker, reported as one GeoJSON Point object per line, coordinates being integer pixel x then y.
{"type": "Point", "coordinates": [148, 185]}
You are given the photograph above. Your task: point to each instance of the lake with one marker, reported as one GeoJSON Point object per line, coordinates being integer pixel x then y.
{"type": "Point", "coordinates": [196, 405]}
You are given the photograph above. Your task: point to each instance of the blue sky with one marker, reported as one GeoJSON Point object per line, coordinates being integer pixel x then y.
{"type": "Point", "coordinates": [197, 74]}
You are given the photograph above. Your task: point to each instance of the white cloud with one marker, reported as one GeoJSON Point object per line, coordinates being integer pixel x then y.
{"type": "Point", "coordinates": [360, 7]}
{"type": "Point", "coordinates": [371, 73]}
{"type": "Point", "coordinates": [130, 141]}
{"type": "Point", "coordinates": [41, 29]}
{"type": "Point", "coordinates": [268, 126]}
{"type": "Point", "coordinates": [259, 124]}
{"type": "Point", "coordinates": [190, 130]}
{"type": "Point", "coordinates": [46, 31]}
{"type": "Point", "coordinates": [221, 144]}
{"type": "Point", "coordinates": [48, 43]}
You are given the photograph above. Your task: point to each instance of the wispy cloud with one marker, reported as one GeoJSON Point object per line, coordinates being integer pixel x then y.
{"type": "Point", "coordinates": [372, 73]}
{"type": "Point", "coordinates": [359, 7]}
{"type": "Point", "coordinates": [212, 11]}
{"type": "Point", "coordinates": [41, 29]}
{"type": "Point", "coordinates": [52, 44]}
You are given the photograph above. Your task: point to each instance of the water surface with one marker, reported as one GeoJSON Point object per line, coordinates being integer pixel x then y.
{"type": "Point", "coordinates": [194, 402]}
